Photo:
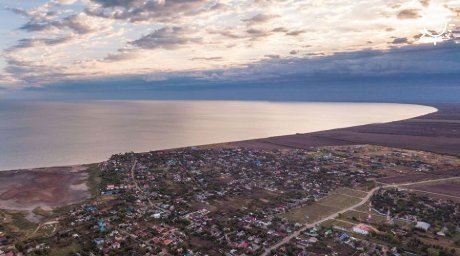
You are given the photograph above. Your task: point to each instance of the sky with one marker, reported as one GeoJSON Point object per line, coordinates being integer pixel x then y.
{"type": "Point", "coordinates": [231, 49]}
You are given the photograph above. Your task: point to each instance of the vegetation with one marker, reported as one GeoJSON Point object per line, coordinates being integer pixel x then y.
{"type": "Point", "coordinates": [66, 250]}
{"type": "Point", "coordinates": [94, 179]}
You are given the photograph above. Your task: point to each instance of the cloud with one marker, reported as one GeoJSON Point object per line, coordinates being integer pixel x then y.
{"type": "Point", "coordinates": [66, 2]}
{"type": "Point", "coordinates": [259, 19]}
{"type": "Point", "coordinates": [256, 34]}
{"type": "Point", "coordinates": [148, 10]}
{"type": "Point", "coordinates": [374, 63]}
{"type": "Point", "coordinates": [409, 14]}
{"type": "Point", "coordinates": [272, 56]}
{"type": "Point", "coordinates": [85, 39]}
{"type": "Point", "coordinates": [168, 38]}
{"type": "Point", "coordinates": [121, 55]}
{"type": "Point", "coordinates": [295, 32]}
{"type": "Point", "coordinates": [401, 40]}
{"type": "Point", "coordinates": [78, 23]}
{"type": "Point", "coordinates": [34, 74]}
{"type": "Point", "coordinates": [425, 3]}
{"type": "Point", "coordinates": [19, 11]}
{"type": "Point", "coordinates": [208, 58]}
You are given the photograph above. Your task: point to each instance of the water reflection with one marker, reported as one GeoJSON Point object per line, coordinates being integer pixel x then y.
{"type": "Point", "coordinates": [34, 134]}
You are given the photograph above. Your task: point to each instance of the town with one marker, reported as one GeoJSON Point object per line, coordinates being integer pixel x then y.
{"type": "Point", "coordinates": [240, 201]}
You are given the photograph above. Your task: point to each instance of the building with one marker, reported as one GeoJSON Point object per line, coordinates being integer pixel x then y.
{"type": "Point", "coordinates": [422, 225]}
{"type": "Point", "coordinates": [362, 229]}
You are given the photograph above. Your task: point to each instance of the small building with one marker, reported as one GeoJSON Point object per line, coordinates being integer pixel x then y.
{"type": "Point", "coordinates": [343, 237]}
{"type": "Point", "coordinates": [312, 240]}
{"type": "Point", "coordinates": [99, 241]}
{"type": "Point", "coordinates": [102, 226]}
{"type": "Point", "coordinates": [423, 225]}
{"type": "Point", "coordinates": [243, 244]}
{"type": "Point", "coordinates": [362, 229]}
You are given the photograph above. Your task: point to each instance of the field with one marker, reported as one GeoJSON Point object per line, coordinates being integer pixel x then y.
{"type": "Point", "coordinates": [326, 206]}
{"type": "Point", "coordinates": [436, 132]}
{"type": "Point", "coordinates": [15, 222]}
{"type": "Point", "coordinates": [338, 224]}
{"type": "Point", "coordinates": [449, 189]}
{"type": "Point", "coordinates": [339, 201]}
{"type": "Point", "coordinates": [67, 250]}
{"type": "Point", "coordinates": [310, 213]}
{"type": "Point", "coordinates": [351, 192]}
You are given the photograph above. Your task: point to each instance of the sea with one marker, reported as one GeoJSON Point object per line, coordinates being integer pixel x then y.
{"type": "Point", "coordinates": [51, 133]}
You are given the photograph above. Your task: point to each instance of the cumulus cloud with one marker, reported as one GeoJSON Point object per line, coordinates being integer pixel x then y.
{"type": "Point", "coordinates": [425, 3]}
{"type": "Point", "coordinates": [374, 63]}
{"type": "Point", "coordinates": [37, 42]}
{"type": "Point", "coordinates": [409, 14]}
{"type": "Point", "coordinates": [34, 74]}
{"type": "Point", "coordinates": [259, 19]}
{"type": "Point", "coordinates": [208, 58]}
{"type": "Point", "coordinates": [147, 10]}
{"type": "Point", "coordinates": [121, 55]}
{"type": "Point", "coordinates": [401, 40]}
{"type": "Point", "coordinates": [78, 23]}
{"type": "Point", "coordinates": [92, 38]}
{"type": "Point", "coordinates": [66, 2]}
{"type": "Point", "coordinates": [166, 38]}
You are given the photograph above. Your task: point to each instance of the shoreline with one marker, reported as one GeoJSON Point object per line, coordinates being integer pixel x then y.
{"type": "Point", "coordinates": [286, 138]}
{"type": "Point", "coordinates": [70, 183]}
{"type": "Point", "coordinates": [437, 132]}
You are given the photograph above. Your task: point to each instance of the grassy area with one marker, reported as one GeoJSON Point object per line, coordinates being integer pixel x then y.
{"type": "Point", "coordinates": [363, 216]}
{"type": "Point", "coordinates": [351, 192]}
{"type": "Point", "coordinates": [367, 186]}
{"type": "Point", "coordinates": [19, 220]}
{"type": "Point", "coordinates": [63, 251]}
{"type": "Point", "coordinates": [310, 213]}
{"type": "Point", "coordinates": [40, 211]}
{"type": "Point", "coordinates": [339, 201]}
{"type": "Point", "coordinates": [364, 207]}
{"type": "Point", "coordinates": [325, 207]}
{"type": "Point", "coordinates": [337, 223]}
{"type": "Point", "coordinates": [16, 222]}
{"type": "Point", "coordinates": [94, 179]}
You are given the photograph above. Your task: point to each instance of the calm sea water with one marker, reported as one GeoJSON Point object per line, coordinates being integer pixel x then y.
{"type": "Point", "coordinates": [38, 134]}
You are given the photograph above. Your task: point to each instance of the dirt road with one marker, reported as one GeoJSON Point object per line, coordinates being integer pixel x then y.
{"type": "Point", "coordinates": [336, 214]}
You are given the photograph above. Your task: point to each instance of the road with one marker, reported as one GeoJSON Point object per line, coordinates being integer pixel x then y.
{"type": "Point", "coordinates": [311, 225]}
{"type": "Point", "coordinates": [335, 215]}
{"type": "Point", "coordinates": [133, 177]}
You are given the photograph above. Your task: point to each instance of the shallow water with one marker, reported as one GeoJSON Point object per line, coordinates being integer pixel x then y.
{"type": "Point", "coordinates": [37, 134]}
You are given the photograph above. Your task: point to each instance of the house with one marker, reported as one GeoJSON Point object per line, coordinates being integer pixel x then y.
{"type": "Point", "coordinates": [90, 208]}
{"type": "Point", "coordinates": [362, 229]}
{"type": "Point", "coordinates": [99, 241]}
{"type": "Point", "coordinates": [116, 245]}
{"type": "Point", "coordinates": [343, 237]}
{"type": "Point", "coordinates": [102, 226]}
{"type": "Point", "coordinates": [442, 232]}
{"type": "Point", "coordinates": [312, 240]}
{"type": "Point", "coordinates": [422, 225]}
{"type": "Point", "coordinates": [243, 244]}
{"type": "Point", "coordinates": [167, 242]}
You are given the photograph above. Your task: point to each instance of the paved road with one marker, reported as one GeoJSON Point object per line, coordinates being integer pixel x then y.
{"type": "Point", "coordinates": [335, 215]}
